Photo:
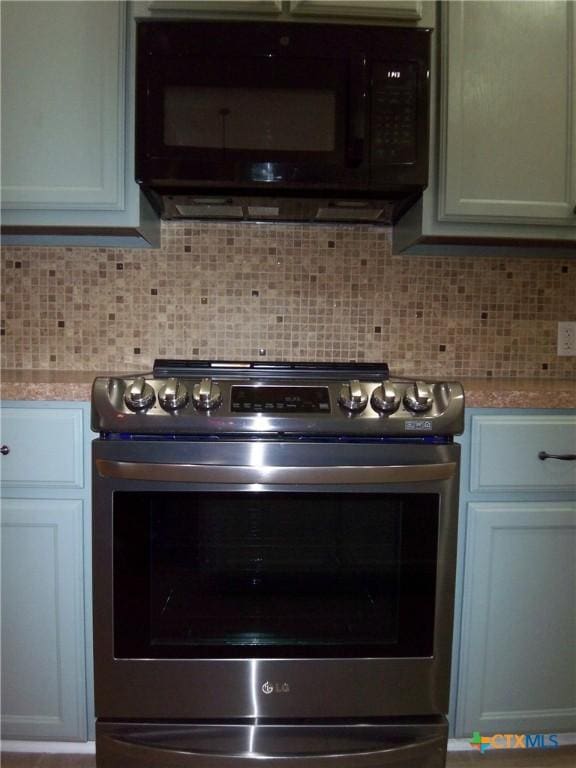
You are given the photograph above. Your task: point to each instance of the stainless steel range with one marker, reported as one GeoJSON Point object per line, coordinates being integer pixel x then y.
{"type": "Point", "coordinates": [274, 561]}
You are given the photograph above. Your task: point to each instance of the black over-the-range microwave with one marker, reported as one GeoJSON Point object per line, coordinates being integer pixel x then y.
{"type": "Point", "coordinates": [281, 121]}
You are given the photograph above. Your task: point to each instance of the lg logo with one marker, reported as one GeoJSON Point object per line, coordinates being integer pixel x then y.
{"type": "Point", "coordinates": [269, 688]}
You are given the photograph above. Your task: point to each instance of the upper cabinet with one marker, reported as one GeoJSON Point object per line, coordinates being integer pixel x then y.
{"type": "Point", "coordinates": [399, 9]}
{"type": "Point", "coordinates": [508, 141]}
{"type": "Point", "coordinates": [368, 11]}
{"type": "Point", "coordinates": [62, 111]}
{"type": "Point", "coordinates": [66, 124]}
{"type": "Point", "coordinates": [503, 149]}
{"type": "Point", "coordinates": [222, 6]}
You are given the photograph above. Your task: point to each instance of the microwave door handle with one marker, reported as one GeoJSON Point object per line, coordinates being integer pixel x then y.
{"type": "Point", "coordinates": [356, 138]}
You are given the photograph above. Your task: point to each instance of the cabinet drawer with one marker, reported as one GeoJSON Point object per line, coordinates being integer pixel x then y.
{"type": "Point", "coordinates": [505, 449]}
{"type": "Point", "coordinates": [45, 448]}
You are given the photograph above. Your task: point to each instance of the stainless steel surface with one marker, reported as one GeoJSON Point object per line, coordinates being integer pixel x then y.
{"type": "Point", "coordinates": [352, 397]}
{"type": "Point", "coordinates": [271, 475]}
{"type": "Point", "coordinates": [250, 433]}
{"type": "Point", "coordinates": [385, 398]}
{"type": "Point", "coordinates": [173, 395]}
{"type": "Point", "coordinates": [436, 408]}
{"type": "Point", "coordinates": [123, 745]}
{"type": "Point", "coordinates": [232, 688]}
{"type": "Point", "coordinates": [206, 395]}
{"type": "Point", "coordinates": [139, 395]}
{"type": "Point", "coordinates": [419, 397]}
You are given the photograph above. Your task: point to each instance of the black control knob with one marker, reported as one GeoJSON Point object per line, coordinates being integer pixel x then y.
{"type": "Point", "coordinates": [352, 398]}
{"type": "Point", "coordinates": [139, 395]}
{"type": "Point", "coordinates": [173, 395]}
{"type": "Point", "coordinates": [418, 397]}
{"type": "Point", "coordinates": [385, 399]}
{"type": "Point", "coordinates": [206, 395]}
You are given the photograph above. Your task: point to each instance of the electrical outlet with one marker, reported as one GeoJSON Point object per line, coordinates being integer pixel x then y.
{"type": "Point", "coordinates": [567, 339]}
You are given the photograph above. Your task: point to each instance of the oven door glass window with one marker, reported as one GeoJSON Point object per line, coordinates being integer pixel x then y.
{"type": "Point", "coordinates": [270, 574]}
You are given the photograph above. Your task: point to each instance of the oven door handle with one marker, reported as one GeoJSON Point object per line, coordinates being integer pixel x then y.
{"type": "Point", "coordinates": [267, 475]}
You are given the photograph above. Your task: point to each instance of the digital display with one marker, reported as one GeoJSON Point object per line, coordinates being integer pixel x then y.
{"type": "Point", "coordinates": [280, 400]}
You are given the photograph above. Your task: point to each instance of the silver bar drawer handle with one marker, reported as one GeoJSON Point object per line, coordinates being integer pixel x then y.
{"type": "Point", "coordinates": [5, 450]}
{"type": "Point", "coordinates": [543, 455]}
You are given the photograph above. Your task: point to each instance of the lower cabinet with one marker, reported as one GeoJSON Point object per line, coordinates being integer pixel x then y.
{"type": "Point", "coordinates": [46, 634]}
{"type": "Point", "coordinates": [515, 668]}
{"type": "Point", "coordinates": [43, 652]}
{"type": "Point", "coordinates": [518, 659]}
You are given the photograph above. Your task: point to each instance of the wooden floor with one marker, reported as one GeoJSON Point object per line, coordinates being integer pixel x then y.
{"type": "Point", "coordinates": [563, 757]}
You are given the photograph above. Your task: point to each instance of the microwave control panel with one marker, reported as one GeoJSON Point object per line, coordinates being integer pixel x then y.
{"type": "Point", "coordinates": [394, 113]}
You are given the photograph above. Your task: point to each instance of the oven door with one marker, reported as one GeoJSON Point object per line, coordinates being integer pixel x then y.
{"type": "Point", "coordinates": [273, 580]}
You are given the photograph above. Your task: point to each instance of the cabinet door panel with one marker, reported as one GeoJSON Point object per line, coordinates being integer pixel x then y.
{"type": "Point", "coordinates": [46, 448]}
{"type": "Point", "coordinates": [43, 675]}
{"type": "Point", "coordinates": [63, 105]}
{"type": "Point", "coordinates": [399, 9]}
{"type": "Point", "coordinates": [222, 6]}
{"type": "Point", "coordinates": [518, 644]}
{"type": "Point", "coordinates": [509, 142]}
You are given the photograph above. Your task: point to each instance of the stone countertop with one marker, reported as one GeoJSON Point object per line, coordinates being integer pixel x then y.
{"type": "Point", "coordinates": [480, 393]}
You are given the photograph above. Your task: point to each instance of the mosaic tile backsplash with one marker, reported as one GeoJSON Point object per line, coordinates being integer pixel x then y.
{"type": "Point", "coordinates": [284, 292]}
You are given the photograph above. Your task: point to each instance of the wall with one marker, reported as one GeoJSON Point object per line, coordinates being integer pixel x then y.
{"type": "Point", "coordinates": [245, 291]}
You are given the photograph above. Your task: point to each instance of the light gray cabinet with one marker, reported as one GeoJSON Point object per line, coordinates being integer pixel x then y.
{"type": "Point", "coordinates": [63, 112]}
{"type": "Point", "coordinates": [289, 10]}
{"type": "Point", "coordinates": [518, 666]}
{"type": "Point", "coordinates": [43, 673]}
{"type": "Point", "coordinates": [222, 7]}
{"type": "Point", "coordinates": [67, 125]}
{"type": "Point", "coordinates": [508, 135]}
{"type": "Point", "coordinates": [375, 9]}
{"type": "Point", "coordinates": [516, 670]}
{"type": "Point", "coordinates": [46, 669]}
{"type": "Point", "coordinates": [503, 142]}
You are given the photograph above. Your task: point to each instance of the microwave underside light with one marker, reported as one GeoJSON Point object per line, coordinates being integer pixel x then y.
{"type": "Point", "coordinates": [274, 209]}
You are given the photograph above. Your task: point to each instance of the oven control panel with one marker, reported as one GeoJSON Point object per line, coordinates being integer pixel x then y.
{"type": "Point", "coordinates": [279, 399]}
{"type": "Point", "coordinates": [217, 405]}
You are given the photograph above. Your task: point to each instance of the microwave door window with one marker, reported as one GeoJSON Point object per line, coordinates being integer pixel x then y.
{"type": "Point", "coordinates": [251, 119]}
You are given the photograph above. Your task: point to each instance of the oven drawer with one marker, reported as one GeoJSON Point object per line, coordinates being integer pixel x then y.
{"type": "Point", "coordinates": [42, 447]}
{"type": "Point", "coordinates": [505, 453]}
{"type": "Point", "coordinates": [363, 745]}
